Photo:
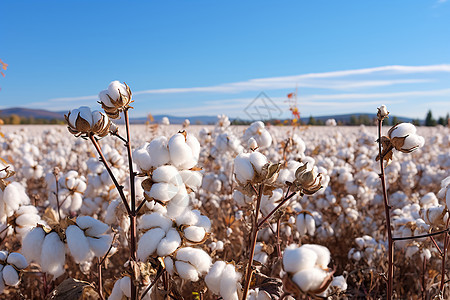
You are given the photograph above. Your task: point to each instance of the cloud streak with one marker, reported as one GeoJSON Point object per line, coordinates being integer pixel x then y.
{"type": "Point", "coordinates": [325, 80]}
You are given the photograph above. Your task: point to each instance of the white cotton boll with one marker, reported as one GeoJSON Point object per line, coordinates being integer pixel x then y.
{"type": "Point", "coordinates": [10, 276]}
{"type": "Point", "coordinates": [179, 151]}
{"type": "Point", "coordinates": [258, 160]}
{"type": "Point", "coordinates": [219, 246]}
{"type": "Point", "coordinates": [167, 174]}
{"type": "Point", "coordinates": [149, 242]}
{"type": "Point", "coordinates": [194, 144]}
{"type": "Point", "coordinates": [155, 220]}
{"type": "Point", "coordinates": [323, 254]}
{"type": "Point", "coordinates": [125, 286]}
{"type": "Point", "coordinates": [194, 234]}
{"type": "Point", "coordinates": [212, 279]}
{"type": "Point", "coordinates": [402, 130]}
{"type": "Point", "coordinates": [110, 217]}
{"type": "Point", "coordinates": [116, 293]}
{"type": "Point", "coordinates": [32, 244]}
{"type": "Point", "coordinates": [340, 283]}
{"type": "Point", "coordinates": [177, 206]}
{"type": "Point", "coordinates": [18, 260]}
{"type": "Point", "coordinates": [27, 209]}
{"type": "Point", "coordinates": [77, 243]}
{"type": "Point", "coordinates": [115, 89]}
{"type": "Point", "coordinates": [205, 222]}
{"type": "Point", "coordinates": [229, 231]}
{"type": "Point", "coordinates": [53, 255]}
{"type": "Point", "coordinates": [295, 259]}
{"type": "Point", "coordinates": [309, 279]}
{"type": "Point", "coordinates": [3, 255]}
{"type": "Point", "coordinates": [169, 243]}
{"type": "Point", "coordinates": [301, 226]}
{"type": "Point", "coordinates": [197, 257]}
{"type": "Point", "coordinates": [28, 220]}
{"type": "Point", "coordinates": [159, 151]}
{"type": "Point", "coordinates": [425, 254]}
{"type": "Point", "coordinates": [99, 246]}
{"type": "Point", "coordinates": [310, 224]}
{"type": "Point", "coordinates": [92, 227]}
{"type": "Point", "coordinates": [11, 196]}
{"type": "Point", "coordinates": [413, 141]}
{"type": "Point", "coordinates": [192, 179]}
{"type": "Point", "coordinates": [77, 202]}
{"type": "Point", "coordinates": [142, 158]}
{"type": "Point", "coordinates": [186, 271]}
{"type": "Point", "coordinates": [229, 283]}
{"type": "Point", "coordinates": [243, 169]}
{"type": "Point", "coordinates": [163, 191]}
{"type": "Point", "coordinates": [168, 262]}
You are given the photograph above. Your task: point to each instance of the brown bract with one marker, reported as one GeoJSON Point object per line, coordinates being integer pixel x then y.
{"type": "Point", "coordinates": [306, 181]}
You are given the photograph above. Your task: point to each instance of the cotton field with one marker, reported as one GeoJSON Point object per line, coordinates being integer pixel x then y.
{"type": "Point", "coordinates": [222, 212]}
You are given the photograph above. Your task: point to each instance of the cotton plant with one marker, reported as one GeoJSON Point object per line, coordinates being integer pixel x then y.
{"type": "Point", "coordinates": [83, 239]}
{"type": "Point", "coordinates": [66, 194]}
{"type": "Point", "coordinates": [11, 268]}
{"type": "Point", "coordinates": [223, 280]}
{"type": "Point", "coordinates": [189, 263]}
{"type": "Point", "coordinates": [259, 133]}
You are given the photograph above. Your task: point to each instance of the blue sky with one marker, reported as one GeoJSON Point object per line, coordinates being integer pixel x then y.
{"type": "Point", "coordinates": [190, 58]}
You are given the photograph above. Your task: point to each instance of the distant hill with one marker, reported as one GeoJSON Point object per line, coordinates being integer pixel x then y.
{"type": "Point", "coordinates": [52, 115]}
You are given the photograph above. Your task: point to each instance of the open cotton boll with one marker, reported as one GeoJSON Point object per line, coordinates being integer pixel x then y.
{"type": "Point", "coordinates": [10, 276]}
{"type": "Point", "coordinates": [194, 144]}
{"type": "Point", "coordinates": [167, 174]}
{"type": "Point", "coordinates": [197, 257]}
{"type": "Point", "coordinates": [99, 246]}
{"type": "Point", "coordinates": [191, 217]}
{"type": "Point", "coordinates": [258, 160]}
{"type": "Point", "coordinates": [193, 179]}
{"type": "Point", "coordinates": [92, 227]}
{"type": "Point", "coordinates": [142, 158]}
{"type": "Point", "coordinates": [178, 205]}
{"type": "Point", "coordinates": [116, 293]}
{"type": "Point", "coordinates": [340, 283]}
{"type": "Point", "coordinates": [413, 141]}
{"type": "Point", "coordinates": [53, 255]}
{"type": "Point", "coordinates": [125, 286]}
{"type": "Point", "coordinates": [17, 260]}
{"type": "Point", "coordinates": [402, 130]}
{"type": "Point", "coordinates": [77, 202]}
{"type": "Point", "coordinates": [309, 279]}
{"type": "Point", "coordinates": [115, 89]}
{"type": "Point", "coordinates": [229, 283]}
{"type": "Point", "coordinates": [32, 244]}
{"type": "Point", "coordinates": [169, 243]}
{"type": "Point", "coordinates": [180, 152]}
{"type": "Point", "coordinates": [323, 254]}
{"type": "Point", "coordinates": [159, 151]}
{"type": "Point", "coordinates": [155, 220]}
{"type": "Point", "coordinates": [149, 242]}
{"type": "Point", "coordinates": [310, 224]}
{"type": "Point", "coordinates": [194, 234]}
{"type": "Point", "coordinates": [163, 191]}
{"type": "Point", "coordinates": [301, 226]}
{"type": "Point", "coordinates": [243, 168]}
{"type": "Point", "coordinates": [168, 262]}
{"type": "Point", "coordinates": [29, 220]}
{"type": "Point", "coordinates": [212, 279]}
{"type": "Point", "coordinates": [295, 259]}
{"type": "Point", "coordinates": [186, 271]}
{"type": "Point", "coordinates": [77, 243]}
{"type": "Point", "coordinates": [11, 196]}
{"type": "Point", "coordinates": [110, 217]}
{"type": "Point", "coordinates": [3, 255]}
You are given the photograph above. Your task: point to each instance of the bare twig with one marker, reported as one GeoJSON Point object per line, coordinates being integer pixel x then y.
{"type": "Point", "coordinates": [275, 209]}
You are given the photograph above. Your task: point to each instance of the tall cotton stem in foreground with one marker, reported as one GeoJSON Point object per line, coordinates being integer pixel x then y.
{"type": "Point", "coordinates": [255, 229]}
{"type": "Point", "coordinates": [133, 235]}
{"type": "Point", "coordinates": [390, 278]}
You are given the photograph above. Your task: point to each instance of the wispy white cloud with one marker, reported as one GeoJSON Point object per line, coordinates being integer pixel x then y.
{"type": "Point", "coordinates": [348, 79]}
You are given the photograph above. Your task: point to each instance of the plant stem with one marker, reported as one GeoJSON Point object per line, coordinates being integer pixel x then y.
{"type": "Point", "coordinates": [100, 280]}
{"type": "Point", "coordinates": [388, 218]}
{"type": "Point", "coordinates": [57, 197]}
{"type": "Point", "coordinates": [133, 232]}
{"type": "Point", "coordinates": [420, 236]}
{"type": "Point", "coordinates": [113, 178]}
{"type": "Point", "coordinates": [275, 209]}
{"type": "Point", "coordinates": [160, 273]}
{"type": "Point", "coordinates": [255, 229]}
{"type": "Point", "coordinates": [444, 251]}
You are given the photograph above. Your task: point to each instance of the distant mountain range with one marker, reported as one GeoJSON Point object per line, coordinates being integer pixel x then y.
{"type": "Point", "coordinates": [49, 115]}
